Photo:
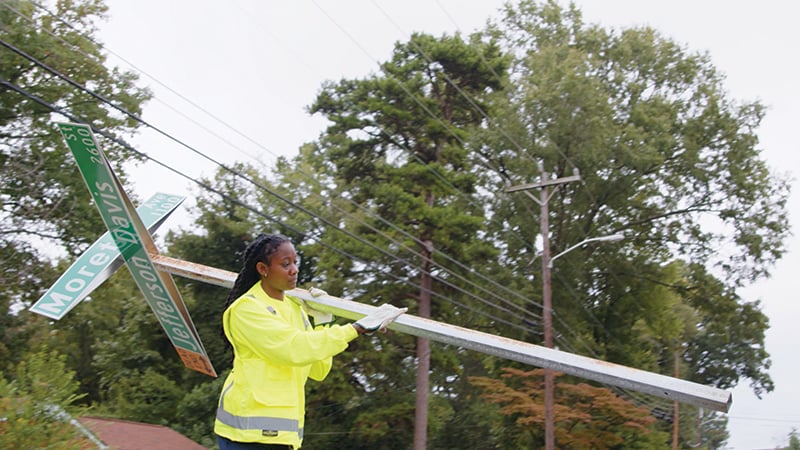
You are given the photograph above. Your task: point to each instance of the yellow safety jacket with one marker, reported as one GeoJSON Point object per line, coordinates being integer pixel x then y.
{"type": "Point", "coordinates": [275, 351]}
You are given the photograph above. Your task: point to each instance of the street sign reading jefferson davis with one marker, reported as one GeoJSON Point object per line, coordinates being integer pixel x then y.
{"type": "Point", "coordinates": [134, 243]}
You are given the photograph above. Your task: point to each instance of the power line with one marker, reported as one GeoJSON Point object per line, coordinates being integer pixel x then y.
{"type": "Point", "coordinates": [161, 132]}
{"type": "Point", "coordinates": [205, 186]}
{"type": "Point", "coordinates": [225, 196]}
{"type": "Point", "coordinates": [491, 293]}
{"type": "Point", "coordinates": [505, 134]}
{"type": "Point", "coordinates": [393, 225]}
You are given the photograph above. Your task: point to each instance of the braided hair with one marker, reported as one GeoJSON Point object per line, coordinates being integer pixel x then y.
{"type": "Point", "coordinates": [260, 249]}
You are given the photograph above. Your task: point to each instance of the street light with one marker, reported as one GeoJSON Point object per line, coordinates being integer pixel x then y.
{"type": "Point", "coordinates": [547, 296]}
{"type": "Point", "coordinates": [547, 321]}
{"type": "Point", "coordinates": [609, 238]}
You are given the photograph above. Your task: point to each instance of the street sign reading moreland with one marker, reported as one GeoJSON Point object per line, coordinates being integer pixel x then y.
{"type": "Point", "coordinates": [99, 262]}
{"type": "Point", "coordinates": [134, 242]}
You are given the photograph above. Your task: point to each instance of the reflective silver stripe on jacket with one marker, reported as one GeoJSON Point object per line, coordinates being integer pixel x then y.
{"type": "Point", "coordinates": [255, 422]}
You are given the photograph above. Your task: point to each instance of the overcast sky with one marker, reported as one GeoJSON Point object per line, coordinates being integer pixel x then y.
{"type": "Point", "coordinates": [233, 79]}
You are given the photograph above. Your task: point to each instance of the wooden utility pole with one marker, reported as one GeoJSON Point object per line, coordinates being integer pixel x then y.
{"type": "Point", "coordinates": [423, 354]}
{"type": "Point", "coordinates": [547, 294]}
{"type": "Point", "coordinates": [675, 413]}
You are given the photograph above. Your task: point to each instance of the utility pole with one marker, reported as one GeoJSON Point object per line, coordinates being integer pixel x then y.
{"type": "Point", "coordinates": [547, 294]}
{"type": "Point", "coordinates": [423, 354]}
{"type": "Point", "coordinates": [675, 412]}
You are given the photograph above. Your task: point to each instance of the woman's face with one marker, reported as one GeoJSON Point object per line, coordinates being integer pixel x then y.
{"type": "Point", "coordinates": [281, 273]}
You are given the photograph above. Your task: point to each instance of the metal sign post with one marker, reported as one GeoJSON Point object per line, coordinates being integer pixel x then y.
{"type": "Point", "coordinates": [592, 369]}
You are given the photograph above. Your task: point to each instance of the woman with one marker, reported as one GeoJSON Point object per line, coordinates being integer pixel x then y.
{"type": "Point", "coordinates": [275, 348]}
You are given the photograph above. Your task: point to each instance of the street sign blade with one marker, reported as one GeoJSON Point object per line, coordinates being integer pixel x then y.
{"type": "Point", "coordinates": [135, 244]}
{"type": "Point", "coordinates": [99, 262]}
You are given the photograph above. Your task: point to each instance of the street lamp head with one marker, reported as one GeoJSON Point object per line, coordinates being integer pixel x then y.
{"type": "Point", "coordinates": [611, 238]}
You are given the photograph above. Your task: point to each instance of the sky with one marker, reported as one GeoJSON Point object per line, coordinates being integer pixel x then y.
{"type": "Point", "coordinates": [232, 79]}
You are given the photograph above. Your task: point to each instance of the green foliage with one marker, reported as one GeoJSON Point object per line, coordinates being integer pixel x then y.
{"type": "Point", "coordinates": [385, 428]}
{"type": "Point", "coordinates": [587, 416]}
{"type": "Point", "coordinates": [196, 411]}
{"type": "Point", "coordinates": [146, 396]}
{"type": "Point", "coordinates": [731, 343]}
{"type": "Point", "coordinates": [474, 422]}
{"type": "Point", "coordinates": [138, 343]}
{"type": "Point", "coordinates": [20, 286]}
{"type": "Point", "coordinates": [664, 157]}
{"type": "Point", "coordinates": [45, 203]}
{"type": "Point", "coordinates": [400, 200]}
{"type": "Point", "coordinates": [42, 192]}
{"type": "Point", "coordinates": [794, 441]}
{"type": "Point", "coordinates": [395, 148]}
{"type": "Point", "coordinates": [37, 404]}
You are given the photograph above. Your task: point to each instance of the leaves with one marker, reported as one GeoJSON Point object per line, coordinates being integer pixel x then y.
{"type": "Point", "coordinates": [586, 416]}
{"type": "Point", "coordinates": [666, 158]}
{"type": "Point", "coordinates": [46, 211]}
{"type": "Point", "coordinates": [37, 405]}
{"type": "Point", "coordinates": [402, 200]}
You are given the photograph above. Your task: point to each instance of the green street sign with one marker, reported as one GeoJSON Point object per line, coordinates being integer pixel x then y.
{"type": "Point", "coordinates": [99, 262]}
{"type": "Point", "coordinates": [135, 245]}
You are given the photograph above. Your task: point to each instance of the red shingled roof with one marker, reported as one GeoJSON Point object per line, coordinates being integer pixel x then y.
{"type": "Point", "coordinates": [124, 435]}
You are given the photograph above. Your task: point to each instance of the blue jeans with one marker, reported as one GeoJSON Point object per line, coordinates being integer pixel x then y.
{"type": "Point", "coordinates": [227, 444]}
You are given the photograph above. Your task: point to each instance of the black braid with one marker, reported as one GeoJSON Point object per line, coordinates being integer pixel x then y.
{"type": "Point", "coordinates": [260, 250]}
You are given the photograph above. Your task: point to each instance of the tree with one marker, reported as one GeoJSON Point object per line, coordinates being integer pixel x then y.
{"type": "Point", "coordinates": [396, 144]}
{"type": "Point", "coordinates": [42, 194]}
{"type": "Point", "coordinates": [197, 410]}
{"type": "Point", "coordinates": [96, 337]}
{"type": "Point", "coordinates": [43, 198]}
{"type": "Point", "coordinates": [794, 441]}
{"type": "Point", "coordinates": [37, 404]}
{"type": "Point", "coordinates": [588, 416]}
{"type": "Point", "coordinates": [664, 157]}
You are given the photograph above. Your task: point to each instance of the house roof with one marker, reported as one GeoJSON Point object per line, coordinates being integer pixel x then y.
{"type": "Point", "coordinates": [124, 435]}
